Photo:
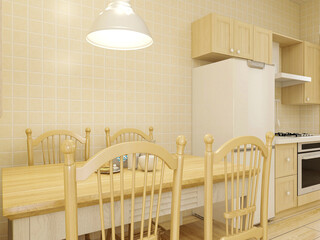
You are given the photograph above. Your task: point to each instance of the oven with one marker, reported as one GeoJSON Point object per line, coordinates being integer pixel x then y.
{"type": "Point", "coordinates": [308, 167]}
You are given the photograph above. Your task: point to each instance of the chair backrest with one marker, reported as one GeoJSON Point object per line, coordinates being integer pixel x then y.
{"type": "Point", "coordinates": [50, 145]}
{"type": "Point", "coordinates": [128, 184]}
{"type": "Point", "coordinates": [244, 158]}
{"type": "Point", "coordinates": [128, 135]}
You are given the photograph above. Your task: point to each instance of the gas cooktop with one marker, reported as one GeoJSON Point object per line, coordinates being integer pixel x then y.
{"type": "Point", "coordinates": [288, 134]}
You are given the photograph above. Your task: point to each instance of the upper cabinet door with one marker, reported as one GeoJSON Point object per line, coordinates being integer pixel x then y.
{"type": "Point", "coordinates": [312, 69]}
{"type": "Point", "coordinates": [222, 39]}
{"type": "Point", "coordinates": [243, 40]}
{"type": "Point", "coordinates": [262, 45]}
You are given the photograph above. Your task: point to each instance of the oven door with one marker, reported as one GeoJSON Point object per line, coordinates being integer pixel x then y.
{"type": "Point", "coordinates": [308, 172]}
{"type": "Point", "coordinates": [308, 147]}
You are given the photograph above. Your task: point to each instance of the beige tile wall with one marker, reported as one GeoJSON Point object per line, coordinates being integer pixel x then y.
{"type": "Point", "coordinates": [287, 116]}
{"type": "Point", "coordinates": [310, 21]}
{"type": "Point", "coordinates": [310, 31]}
{"type": "Point", "coordinates": [53, 79]}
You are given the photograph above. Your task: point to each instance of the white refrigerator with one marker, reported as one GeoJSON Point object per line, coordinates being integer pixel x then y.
{"type": "Point", "coordinates": [231, 99]}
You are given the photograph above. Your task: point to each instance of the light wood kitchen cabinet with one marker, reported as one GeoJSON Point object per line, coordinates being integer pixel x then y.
{"type": "Point", "coordinates": [217, 37]}
{"type": "Point", "coordinates": [286, 160]}
{"type": "Point", "coordinates": [243, 39]}
{"type": "Point", "coordinates": [286, 193]}
{"type": "Point", "coordinates": [286, 176]}
{"type": "Point", "coordinates": [302, 59]}
{"type": "Point", "coordinates": [222, 30]}
{"type": "Point", "coordinates": [262, 45]}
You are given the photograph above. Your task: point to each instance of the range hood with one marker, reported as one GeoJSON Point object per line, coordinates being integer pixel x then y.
{"type": "Point", "coordinates": [287, 79]}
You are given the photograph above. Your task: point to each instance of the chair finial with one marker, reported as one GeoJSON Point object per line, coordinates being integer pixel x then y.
{"type": "Point", "coordinates": [28, 131]}
{"type": "Point", "coordinates": [269, 138]}
{"type": "Point", "coordinates": [88, 130]}
{"type": "Point", "coordinates": [68, 147]}
{"type": "Point", "coordinates": [181, 143]}
{"type": "Point", "coordinates": [208, 140]}
{"type": "Point", "coordinates": [151, 132]}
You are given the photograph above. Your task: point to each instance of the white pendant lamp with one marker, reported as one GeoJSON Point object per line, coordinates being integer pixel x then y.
{"type": "Point", "coordinates": [119, 28]}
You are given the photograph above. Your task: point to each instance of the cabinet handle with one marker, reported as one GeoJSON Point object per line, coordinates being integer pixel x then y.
{"type": "Point", "coordinates": [238, 51]}
{"type": "Point", "coordinates": [231, 50]}
{"type": "Point", "coordinates": [308, 99]}
{"type": "Point", "coordinates": [288, 159]}
{"type": "Point", "coordinates": [288, 193]}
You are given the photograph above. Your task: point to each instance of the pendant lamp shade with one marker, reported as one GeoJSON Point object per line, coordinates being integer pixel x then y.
{"type": "Point", "coordinates": [119, 28]}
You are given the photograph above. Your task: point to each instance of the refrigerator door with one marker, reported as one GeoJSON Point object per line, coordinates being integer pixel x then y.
{"type": "Point", "coordinates": [212, 104]}
{"type": "Point", "coordinates": [253, 100]}
{"type": "Point", "coordinates": [254, 91]}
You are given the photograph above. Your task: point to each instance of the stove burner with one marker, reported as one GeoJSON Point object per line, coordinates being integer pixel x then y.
{"type": "Point", "coordinates": [288, 134]}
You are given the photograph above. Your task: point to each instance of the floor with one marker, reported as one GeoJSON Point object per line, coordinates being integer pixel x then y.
{"type": "Point", "coordinates": [301, 225]}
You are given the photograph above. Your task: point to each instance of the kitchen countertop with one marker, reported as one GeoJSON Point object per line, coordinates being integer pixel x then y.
{"type": "Point", "coordinates": [286, 140]}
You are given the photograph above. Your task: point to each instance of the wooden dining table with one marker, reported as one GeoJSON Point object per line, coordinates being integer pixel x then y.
{"type": "Point", "coordinates": [33, 198]}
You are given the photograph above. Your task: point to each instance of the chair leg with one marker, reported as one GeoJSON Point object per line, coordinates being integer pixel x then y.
{"type": "Point", "coordinates": [108, 234]}
{"type": "Point", "coordinates": [129, 230]}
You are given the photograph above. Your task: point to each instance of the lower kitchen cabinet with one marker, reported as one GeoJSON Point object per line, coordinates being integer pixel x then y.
{"type": "Point", "coordinates": [286, 176]}
{"type": "Point", "coordinates": [286, 160]}
{"type": "Point", "coordinates": [286, 193]}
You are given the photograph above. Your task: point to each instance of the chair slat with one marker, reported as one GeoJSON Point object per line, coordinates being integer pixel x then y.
{"type": "Point", "coordinates": [59, 148]}
{"type": "Point", "coordinates": [43, 153]}
{"type": "Point", "coordinates": [122, 196]}
{"type": "Point", "coordinates": [232, 188]}
{"type": "Point", "coordinates": [144, 195]}
{"type": "Point", "coordinates": [159, 197]}
{"type": "Point", "coordinates": [257, 183]}
{"type": "Point", "coordinates": [254, 178]}
{"type": "Point", "coordinates": [53, 150]}
{"type": "Point", "coordinates": [243, 182]}
{"type": "Point", "coordinates": [132, 194]}
{"type": "Point", "coordinates": [75, 153]}
{"type": "Point", "coordinates": [103, 235]}
{"type": "Point", "coordinates": [249, 186]}
{"type": "Point", "coordinates": [48, 149]}
{"type": "Point", "coordinates": [226, 191]}
{"type": "Point", "coordinates": [152, 194]}
{"type": "Point", "coordinates": [113, 231]}
{"type": "Point", "coordinates": [238, 199]}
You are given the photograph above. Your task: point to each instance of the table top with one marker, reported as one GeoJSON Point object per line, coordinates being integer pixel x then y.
{"type": "Point", "coordinates": [36, 190]}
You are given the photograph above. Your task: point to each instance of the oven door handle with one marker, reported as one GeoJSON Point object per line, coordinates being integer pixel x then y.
{"type": "Point", "coordinates": [310, 157]}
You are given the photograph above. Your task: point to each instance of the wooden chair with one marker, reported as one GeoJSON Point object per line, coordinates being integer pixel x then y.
{"type": "Point", "coordinates": [51, 142]}
{"type": "Point", "coordinates": [125, 185]}
{"type": "Point", "coordinates": [239, 212]}
{"type": "Point", "coordinates": [241, 187]}
{"type": "Point", "coordinates": [128, 135]}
